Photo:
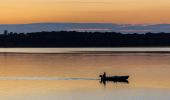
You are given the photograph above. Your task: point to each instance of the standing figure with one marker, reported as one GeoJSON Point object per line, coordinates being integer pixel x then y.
{"type": "Point", "coordinates": [104, 75]}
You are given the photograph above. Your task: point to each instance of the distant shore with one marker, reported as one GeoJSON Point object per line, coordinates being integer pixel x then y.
{"type": "Point", "coordinates": [72, 39]}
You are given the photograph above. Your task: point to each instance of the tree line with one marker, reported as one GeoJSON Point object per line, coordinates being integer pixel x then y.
{"type": "Point", "coordinates": [83, 39]}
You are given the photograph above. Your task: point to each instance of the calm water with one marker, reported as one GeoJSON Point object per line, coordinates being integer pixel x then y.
{"type": "Point", "coordinates": [63, 74]}
{"type": "Point", "coordinates": [82, 50]}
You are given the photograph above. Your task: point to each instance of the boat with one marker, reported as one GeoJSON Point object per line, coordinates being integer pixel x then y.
{"type": "Point", "coordinates": [113, 78]}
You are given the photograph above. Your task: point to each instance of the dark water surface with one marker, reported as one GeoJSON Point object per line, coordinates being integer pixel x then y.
{"type": "Point", "coordinates": [40, 75]}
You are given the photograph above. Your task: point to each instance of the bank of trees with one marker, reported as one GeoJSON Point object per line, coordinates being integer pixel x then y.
{"type": "Point", "coordinates": [83, 39]}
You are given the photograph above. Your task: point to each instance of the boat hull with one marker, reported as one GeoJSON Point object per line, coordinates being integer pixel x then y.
{"type": "Point", "coordinates": [115, 78]}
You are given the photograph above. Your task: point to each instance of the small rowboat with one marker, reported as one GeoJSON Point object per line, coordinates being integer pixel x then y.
{"type": "Point", "coordinates": [114, 78]}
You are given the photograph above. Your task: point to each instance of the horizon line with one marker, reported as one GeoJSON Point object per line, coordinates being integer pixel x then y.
{"type": "Point", "coordinates": [84, 23]}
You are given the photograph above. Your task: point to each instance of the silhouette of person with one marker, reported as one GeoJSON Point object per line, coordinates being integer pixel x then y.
{"type": "Point", "coordinates": [104, 75]}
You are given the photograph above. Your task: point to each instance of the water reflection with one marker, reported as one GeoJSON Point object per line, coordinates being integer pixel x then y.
{"type": "Point", "coordinates": [74, 76]}
{"type": "Point", "coordinates": [104, 82]}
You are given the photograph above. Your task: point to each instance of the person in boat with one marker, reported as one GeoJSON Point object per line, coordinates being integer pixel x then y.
{"type": "Point", "coordinates": [103, 76]}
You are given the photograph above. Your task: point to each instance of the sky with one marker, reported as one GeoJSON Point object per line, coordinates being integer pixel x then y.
{"type": "Point", "coordinates": [85, 11]}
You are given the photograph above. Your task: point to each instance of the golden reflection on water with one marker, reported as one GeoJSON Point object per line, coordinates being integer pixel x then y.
{"type": "Point", "coordinates": [147, 72]}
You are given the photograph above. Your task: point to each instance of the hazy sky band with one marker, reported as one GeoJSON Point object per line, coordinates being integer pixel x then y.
{"type": "Point", "coordinates": [103, 11]}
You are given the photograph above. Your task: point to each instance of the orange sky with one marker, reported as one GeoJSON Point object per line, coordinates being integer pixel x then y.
{"type": "Point", "coordinates": [112, 11]}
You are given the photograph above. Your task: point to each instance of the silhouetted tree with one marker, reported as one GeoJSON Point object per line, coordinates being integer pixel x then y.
{"type": "Point", "coordinates": [5, 32]}
{"type": "Point", "coordinates": [82, 39]}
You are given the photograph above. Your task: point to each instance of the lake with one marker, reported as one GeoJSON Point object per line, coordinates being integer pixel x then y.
{"type": "Point", "coordinates": [73, 73]}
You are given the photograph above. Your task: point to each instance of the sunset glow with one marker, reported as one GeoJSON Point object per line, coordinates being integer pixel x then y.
{"type": "Point", "coordinates": [104, 11]}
